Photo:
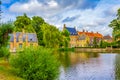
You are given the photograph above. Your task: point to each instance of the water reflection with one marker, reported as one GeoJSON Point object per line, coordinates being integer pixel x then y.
{"type": "Point", "coordinates": [68, 59]}
{"type": "Point", "coordinates": [117, 67]}
{"type": "Point", "coordinates": [89, 66]}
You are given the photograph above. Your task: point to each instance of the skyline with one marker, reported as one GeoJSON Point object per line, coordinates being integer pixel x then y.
{"type": "Point", "coordinates": [91, 15]}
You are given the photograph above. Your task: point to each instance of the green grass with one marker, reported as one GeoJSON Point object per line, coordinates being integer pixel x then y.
{"type": "Point", "coordinates": [6, 71]}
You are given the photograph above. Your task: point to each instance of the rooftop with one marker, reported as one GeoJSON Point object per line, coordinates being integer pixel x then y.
{"type": "Point", "coordinates": [91, 34]}
{"type": "Point", "coordinates": [71, 30]}
{"type": "Point", "coordinates": [32, 37]}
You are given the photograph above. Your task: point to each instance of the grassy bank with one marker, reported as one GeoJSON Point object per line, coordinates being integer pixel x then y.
{"type": "Point", "coordinates": [6, 71]}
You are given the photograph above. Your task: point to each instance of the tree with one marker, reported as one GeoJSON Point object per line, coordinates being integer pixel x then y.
{"type": "Point", "coordinates": [51, 36]}
{"type": "Point", "coordinates": [5, 29]}
{"type": "Point", "coordinates": [115, 24]}
{"type": "Point", "coordinates": [23, 22]}
{"type": "Point", "coordinates": [95, 42]}
{"type": "Point", "coordinates": [37, 22]}
{"type": "Point", "coordinates": [48, 35]}
{"type": "Point", "coordinates": [66, 37]}
{"type": "Point", "coordinates": [36, 64]}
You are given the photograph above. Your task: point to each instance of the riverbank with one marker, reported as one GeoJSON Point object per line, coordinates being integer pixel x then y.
{"type": "Point", "coordinates": [6, 71]}
{"type": "Point", "coordinates": [97, 49]}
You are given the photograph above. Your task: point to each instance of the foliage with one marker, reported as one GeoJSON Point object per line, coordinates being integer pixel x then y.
{"type": "Point", "coordinates": [51, 36]}
{"type": "Point", "coordinates": [66, 49]}
{"type": "Point", "coordinates": [23, 22]}
{"type": "Point", "coordinates": [104, 44]}
{"type": "Point", "coordinates": [115, 24]}
{"type": "Point", "coordinates": [48, 35]}
{"type": "Point", "coordinates": [4, 52]}
{"type": "Point", "coordinates": [36, 64]}
{"type": "Point", "coordinates": [37, 23]}
{"type": "Point", "coordinates": [66, 38]}
{"type": "Point", "coordinates": [95, 42]}
{"type": "Point", "coordinates": [5, 29]}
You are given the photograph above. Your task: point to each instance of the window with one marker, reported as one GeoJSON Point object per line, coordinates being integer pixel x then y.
{"type": "Point", "coordinates": [20, 45]}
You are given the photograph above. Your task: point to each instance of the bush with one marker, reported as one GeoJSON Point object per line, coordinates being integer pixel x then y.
{"type": "Point", "coordinates": [35, 64]}
{"type": "Point", "coordinates": [4, 52]}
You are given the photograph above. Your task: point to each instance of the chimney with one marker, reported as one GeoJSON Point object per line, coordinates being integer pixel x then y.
{"type": "Point", "coordinates": [64, 25]}
{"type": "Point", "coordinates": [83, 30]}
{"type": "Point", "coordinates": [75, 27]}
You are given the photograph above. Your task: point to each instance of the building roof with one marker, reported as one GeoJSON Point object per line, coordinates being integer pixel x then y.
{"type": "Point", "coordinates": [32, 37]}
{"type": "Point", "coordinates": [107, 37]}
{"type": "Point", "coordinates": [72, 30]}
{"type": "Point", "coordinates": [91, 34]}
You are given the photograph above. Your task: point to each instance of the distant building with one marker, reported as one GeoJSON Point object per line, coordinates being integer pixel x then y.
{"type": "Point", "coordinates": [89, 38]}
{"type": "Point", "coordinates": [83, 38]}
{"type": "Point", "coordinates": [108, 39]}
{"type": "Point", "coordinates": [20, 40]}
{"type": "Point", "coordinates": [73, 36]}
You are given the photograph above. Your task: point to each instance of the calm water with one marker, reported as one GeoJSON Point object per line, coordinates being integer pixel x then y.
{"type": "Point", "coordinates": [89, 66]}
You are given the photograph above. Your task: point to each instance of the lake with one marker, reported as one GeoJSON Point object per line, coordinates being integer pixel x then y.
{"type": "Point", "coordinates": [89, 66]}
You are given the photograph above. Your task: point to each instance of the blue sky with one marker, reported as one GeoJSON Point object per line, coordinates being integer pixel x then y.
{"type": "Point", "coordinates": [91, 15]}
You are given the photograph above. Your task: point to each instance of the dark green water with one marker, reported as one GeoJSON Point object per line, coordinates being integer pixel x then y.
{"type": "Point", "coordinates": [89, 66]}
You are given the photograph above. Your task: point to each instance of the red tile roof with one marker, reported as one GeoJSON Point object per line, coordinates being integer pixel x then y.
{"type": "Point", "coordinates": [91, 34]}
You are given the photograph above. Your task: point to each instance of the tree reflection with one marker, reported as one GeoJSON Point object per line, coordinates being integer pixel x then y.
{"type": "Point", "coordinates": [117, 67]}
{"type": "Point", "coordinates": [68, 59]}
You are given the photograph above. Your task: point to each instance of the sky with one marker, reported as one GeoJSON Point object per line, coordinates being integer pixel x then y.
{"type": "Point", "coordinates": [90, 15]}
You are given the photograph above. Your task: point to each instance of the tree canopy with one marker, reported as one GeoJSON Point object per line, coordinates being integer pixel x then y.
{"type": "Point", "coordinates": [115, 25]}
{"type": "Point", "coordinates": [23, 22]}
{"type": "Point", "coordinates": [5, 29]}
{"type": "Point", "coordinates": [48, 35]}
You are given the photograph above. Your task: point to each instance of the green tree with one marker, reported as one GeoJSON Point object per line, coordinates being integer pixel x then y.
{"type": "Point", "coordinates": [66, 37]}
{"type": "Point", "coordinates": [5, 29]}
{"type": "Point", "coordinates": [37, 22]}
{"type": "Point", "coordinates": [115, 24]}
{"type": "Point", "coordinates": [36, 64]}
{"type": "Point", "coordinates": [51, 36]}
{"type": "Point", "coordinates": [48, 35]}
{"type": "Point", "coordinates": [104, 44]}
{"type": "Point", "coordinates": [4, 52]}
{"type": "Point", "coordinates": [23, 22]}
{"type": "Point", "coordinates": [95, 42]}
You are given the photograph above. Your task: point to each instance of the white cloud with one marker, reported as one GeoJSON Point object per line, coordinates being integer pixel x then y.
{"type": "Point", "coordinates": [36, 8]}
{"type": "Point", "coordinates": [96, 19]}
{"type": "Point", "coordinates": [52, 3]}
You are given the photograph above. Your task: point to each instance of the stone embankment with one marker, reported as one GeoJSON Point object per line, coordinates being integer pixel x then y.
{"type": "Point", "coordinates": [109, 49]}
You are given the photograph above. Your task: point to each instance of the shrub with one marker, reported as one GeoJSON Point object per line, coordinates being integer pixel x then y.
{"type": "Point", "coordinates": [35, 64]}
{"type": "Point", "coordinates": [4, 52]}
